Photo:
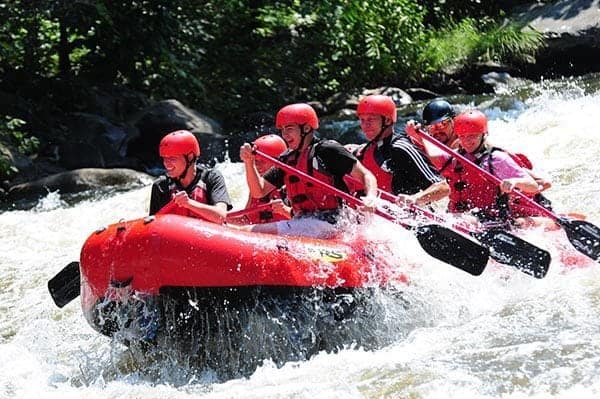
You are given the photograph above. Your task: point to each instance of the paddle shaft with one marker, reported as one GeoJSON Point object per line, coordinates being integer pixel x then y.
{"type": "Point", "coordinates": [490, 177]}
{"type": "Point", "coordinates": [438, 241]}
{"type": "Point", "coordinates": [430, 215]}
{"type": "Point", "coordinates": [506, 248]}
{"type": "Point", "coordinates": [584, 236]}
{"type": "Point", "coordinates": [242, 212]}
{"type": "Point", "coordinates": [335, 191]}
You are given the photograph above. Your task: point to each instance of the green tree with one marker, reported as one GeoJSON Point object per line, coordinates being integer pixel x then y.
{"type": "Point", "coordinates": [231, 57]}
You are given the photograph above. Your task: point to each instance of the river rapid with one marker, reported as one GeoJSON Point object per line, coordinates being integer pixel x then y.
{"type": "Point", "coordinates": [502, 334]}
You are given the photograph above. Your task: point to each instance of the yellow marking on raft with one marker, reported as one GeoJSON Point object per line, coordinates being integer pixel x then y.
{"type": "Point", "coordinates": [327, 255]}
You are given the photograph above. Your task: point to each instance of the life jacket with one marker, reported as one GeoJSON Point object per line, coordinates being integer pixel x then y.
{"type": "Point", "coordinates": [523, 161]}
{"type": "Point", "coordinates": [470, 190]}
{"type": "Point", "coordinates": [196, 191]}
{"type": "Point", "coordinates": [265, 215]}
{"type": "Point", "coordinates": [520, 159]}
{"type": "Point", "coordinates": [376, 161]}
{"type": "Point", "coordinates": [355, 187]}
{"type": "Point", "coordinates": [304, 196]}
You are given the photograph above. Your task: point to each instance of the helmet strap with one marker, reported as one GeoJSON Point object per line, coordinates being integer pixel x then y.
{"type": "Point", "coordinates": [384, 127]}
{"type": "Point", "coordinates": [303, 135]}
{"type": "Point", "coordinates": [482, 141]}
{"type": "Point", "coordinates": [480, 147]}
{"type": "Point", "coordinates": [188, 162]}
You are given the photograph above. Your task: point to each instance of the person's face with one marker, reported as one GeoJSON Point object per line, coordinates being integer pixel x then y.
{"type": "Point", "coordinates": [292, 136]}
{"type": "Point", "coordinates": [471, 142]}
{"type": "Point", "coordinates": [175, 165]}
{"type": "Point", "coordinates": [262, 166]}
{"type": "Point", "coordinates": [371, 125]}
{"type": "Point", "coordinates": [442, 131]}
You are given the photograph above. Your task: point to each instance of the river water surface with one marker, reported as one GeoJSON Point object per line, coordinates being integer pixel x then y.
{"type": "Point", "coordinates": [502, 334]}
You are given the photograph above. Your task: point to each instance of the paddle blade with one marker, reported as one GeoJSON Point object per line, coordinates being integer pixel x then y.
{"type": "Point", "coordinates": [584, 236]}
{"type": "Point", "coordinates": [455, 249]}
{"type": "Point", "coordinates": [511, 250]}
{"type": "Point", "coordinates": [65, 286]}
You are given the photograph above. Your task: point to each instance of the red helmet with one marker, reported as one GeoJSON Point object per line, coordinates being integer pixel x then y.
{"type": "Point", "coordinates": [298, 114]}
{"type": "Point", "coordinates": [470, 122]}
{"type": "Point", "coordinates": [379, 105]}
{"type": "Point", "coordinates": [271, 144]}
{"type": "Point", "coordinates": [179, 142]}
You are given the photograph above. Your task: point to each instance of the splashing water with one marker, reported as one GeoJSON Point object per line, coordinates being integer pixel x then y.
{"type": "Point", "coordinates": [502, 334]}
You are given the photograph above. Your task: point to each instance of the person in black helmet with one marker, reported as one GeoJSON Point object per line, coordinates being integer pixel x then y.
{"type": "Point", "coordinates": [438, 118]}
{"type": "Point", "coordinates": [438, 121]}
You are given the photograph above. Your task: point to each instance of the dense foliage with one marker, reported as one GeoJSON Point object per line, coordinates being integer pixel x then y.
{"type": "Point", "coordinates": [13, 135]}
{"type": "Point", "coordinates": [239, 54]}
{"type": "Point", "coordinates": [231, 57]}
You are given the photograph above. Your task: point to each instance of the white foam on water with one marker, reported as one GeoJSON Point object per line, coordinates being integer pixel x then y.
{"type": "Point", "coordinates": [502, 334]}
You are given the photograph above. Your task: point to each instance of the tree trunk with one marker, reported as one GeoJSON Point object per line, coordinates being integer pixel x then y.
{"type": "Point", "coordinates": [31, 62]}
{"type": "Point", "coordinates": [64, 49]}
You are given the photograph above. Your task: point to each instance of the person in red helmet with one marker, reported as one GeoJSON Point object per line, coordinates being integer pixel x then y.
{"type": "Point", "coordinates": [195, 190]}
{"type": "Point", "coordinates": [272, 145]}
{"type": "Point", "coordinates": [470, 191]}
{"type": "Point", "coordinates": [400, 167]}
{"type": "Point", "coordinates": [438, 122]}
{"type": "Point", "coordinates": [314, 209]}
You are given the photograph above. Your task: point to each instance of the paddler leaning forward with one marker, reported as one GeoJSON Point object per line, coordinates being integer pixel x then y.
{"type": "Point", "coordinates": [314, 209]}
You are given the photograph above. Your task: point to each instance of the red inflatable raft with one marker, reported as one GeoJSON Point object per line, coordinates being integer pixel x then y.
{"type": "Point", "coordinates": [130, 270]}
{"type": "Point", "coordinates": [171, 250]}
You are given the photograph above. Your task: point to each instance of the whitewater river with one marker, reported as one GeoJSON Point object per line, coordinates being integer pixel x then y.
{"type": "Point", "coordinates": [502, 334]}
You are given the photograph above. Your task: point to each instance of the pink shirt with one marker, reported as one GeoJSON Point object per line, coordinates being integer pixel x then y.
{"type": "Point", "coordinates": [503, 165]}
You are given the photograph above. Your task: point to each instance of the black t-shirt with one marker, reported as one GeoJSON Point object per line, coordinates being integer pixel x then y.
{"type": "Point", "coordinates": [216, 191]}
{"type": "Point", "coordinates": [332, 157]}
{"type": "Point", "coordinates": [410, 168]}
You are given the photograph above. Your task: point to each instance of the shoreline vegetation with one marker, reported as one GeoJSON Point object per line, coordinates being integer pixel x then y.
{"type": "Point", "coordinates": [92, 67]}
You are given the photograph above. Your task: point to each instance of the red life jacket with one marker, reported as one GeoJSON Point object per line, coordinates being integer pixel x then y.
{"type": "Point", "coordinates": [520, 159]}
{"type": "Point", "coordinates": [366, 155]}
{"type": "Point", "coordinates": [304, 196]}
{"type": "Point", "coordinates": [523, 161]}
{"type": "Point", "coordinates": [198, 193]}
{"type": "Point", "coordinates": [265, 215]}
{"type": "Point", "coordinates": [355, 187]}
{"type": "Point", "coordinates": [470, 190]}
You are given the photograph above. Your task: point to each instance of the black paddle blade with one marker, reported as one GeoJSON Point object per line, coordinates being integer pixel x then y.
{"type": "Point", "coordinates": [511, 250]}
{"type": "Point", "coordinates": [584, 236]}
{"type": "Point", "coordinates": [64, 287]}
{"type": "Point", "coordinates": [457, 250]}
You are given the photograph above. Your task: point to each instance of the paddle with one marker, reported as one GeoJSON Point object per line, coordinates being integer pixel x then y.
{"type": "Point", "coordinates": [65, 285]}
{"type": "Point", "coordinates": [239, 214]}
{"type": "Point", "coordinates": [438, 241]}
{"type": "Point", "coordinates": [242, 212]}
{"type": "Point", "coordinates": [584, 236]}
{"type": "Point", "coordinates": [504, 247]}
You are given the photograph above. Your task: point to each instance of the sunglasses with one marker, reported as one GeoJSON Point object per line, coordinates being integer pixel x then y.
{"type": "Point", "coordinates": [439, 125]}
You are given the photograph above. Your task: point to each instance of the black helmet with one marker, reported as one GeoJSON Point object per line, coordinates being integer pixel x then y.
{"type": "Point", "coordinates": [436, 111]}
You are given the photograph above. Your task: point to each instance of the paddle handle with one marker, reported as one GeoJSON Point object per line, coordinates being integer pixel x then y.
{"type": "Point", "coordinates": [490, 177]}
{"type": "Point", "coordinates": [332, 190]}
